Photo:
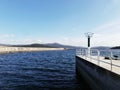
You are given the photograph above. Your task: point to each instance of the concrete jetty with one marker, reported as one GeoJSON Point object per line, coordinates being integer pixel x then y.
{"type": "Point", "coordinates": [6, 49]}
{"type": "Point", "coordinates": [99, 73]}
{"type": "Point", "coordinates": [103, 63]}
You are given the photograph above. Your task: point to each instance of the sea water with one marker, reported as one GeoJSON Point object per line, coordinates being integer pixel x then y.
{"type": "Point", "coordinates": [46, 70]}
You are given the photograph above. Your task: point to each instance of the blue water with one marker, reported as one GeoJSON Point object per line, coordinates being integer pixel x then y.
{"type": "Point", "coordinates": [47, 70]}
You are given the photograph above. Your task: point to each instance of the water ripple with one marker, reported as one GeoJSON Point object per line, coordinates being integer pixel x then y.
{"type": "Point", "coordinates": [47, 70]}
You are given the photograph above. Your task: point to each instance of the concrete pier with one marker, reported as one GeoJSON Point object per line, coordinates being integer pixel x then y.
{"type": "Point", "coordinates": [111, 65]}
{"type": "Point", "coordinates": [97, 76]}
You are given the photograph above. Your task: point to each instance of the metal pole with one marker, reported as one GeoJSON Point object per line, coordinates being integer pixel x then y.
{"type": "Point", "coordinates": [98, 57]}
{"type": "Point", "coordinates": [88, 35]}
{"type": "Point", "coordinates": [88, 41]}
{"type": "Point", "coordinates": [111, 59]}
{"type": "Point", "coordinates": [89, 47]}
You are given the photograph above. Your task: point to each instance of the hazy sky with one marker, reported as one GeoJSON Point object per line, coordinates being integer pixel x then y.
{"type": "Point", "coordinates": [62, 21]}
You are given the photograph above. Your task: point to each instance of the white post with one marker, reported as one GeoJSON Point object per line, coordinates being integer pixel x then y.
{"type": "Point", "coordinates": [111, 59]}
{"type": "Point", "coordinates": [88, 52]}
{"type": "Point", "coordinates": [98, 57]}
{"type": "Point", "coordinates": [88, 35]}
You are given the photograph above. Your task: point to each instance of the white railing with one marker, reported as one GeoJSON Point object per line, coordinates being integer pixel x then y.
{"type": "Point", "coordinates": [101, 56]}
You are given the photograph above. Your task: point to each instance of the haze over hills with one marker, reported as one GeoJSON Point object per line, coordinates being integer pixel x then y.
{"type": "Point", "coordinates": [116, 47]}
{"type": "Point", "coordinates": [62, 46]}
{"type": "Point", "coordinates": [49, 45]}
{"type": "Point", "coordinates": [101, 47]}
{"type": "Point", "coordinates": [57, 45]}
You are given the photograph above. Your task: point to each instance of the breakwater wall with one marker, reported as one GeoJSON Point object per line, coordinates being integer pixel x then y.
{"type": "Point", "coordinates": [97, 77]}
{"type": "Point", "coordinates": [4, 49]}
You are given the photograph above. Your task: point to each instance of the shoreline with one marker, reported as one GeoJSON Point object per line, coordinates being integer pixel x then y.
{"type": "Point", "coordinates": [6, 49]}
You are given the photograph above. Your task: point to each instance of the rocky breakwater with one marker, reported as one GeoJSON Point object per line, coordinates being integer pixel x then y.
{"type": "Point", "coordinates": [6, 49]}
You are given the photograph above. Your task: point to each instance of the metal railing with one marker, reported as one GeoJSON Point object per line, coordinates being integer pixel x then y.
{"type": "Point", "coordinates": [95, 54]}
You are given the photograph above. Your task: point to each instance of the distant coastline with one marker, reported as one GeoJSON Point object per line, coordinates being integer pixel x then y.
{"type": "Point", "coordinates": [9, 49]}
{"type": "Point", "coordinates": [116, 47]}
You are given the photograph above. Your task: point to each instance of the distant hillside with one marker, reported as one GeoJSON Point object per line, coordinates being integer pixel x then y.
{"type": "Point", "coordinates": [32, 45]}
{"type": "Point", "coordinates": [116, 47]}
{"type": "Point", "coordinates": [4, 45]}
{"type": "Point", "coordinates": [62, 46]}
{"type": "Point", "coordinates": [50, 45]}
{"type": "Point", "coordinates": [101, 48]}
{"type": "Point", "coordinates": [57, 45]}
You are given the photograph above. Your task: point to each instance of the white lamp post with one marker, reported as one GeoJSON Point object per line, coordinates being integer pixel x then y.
{"type": "Point", "coordinates": [89, 35]}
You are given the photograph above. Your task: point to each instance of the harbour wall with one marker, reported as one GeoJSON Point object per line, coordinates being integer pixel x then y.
{"type": "Point", "coordinates": [4, 49]}
{"type": "Point", "coordinates": [97, 77]}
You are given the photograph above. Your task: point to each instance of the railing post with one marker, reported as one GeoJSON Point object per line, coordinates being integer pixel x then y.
{"type": "Point", "coordinates": [98, 57]}
{"type": "Point", "coordinates": [111, 59]}
{"type": "Point", "coordinates": [85, 53]}
{"type": "Point", "coordinates": [82, 52]}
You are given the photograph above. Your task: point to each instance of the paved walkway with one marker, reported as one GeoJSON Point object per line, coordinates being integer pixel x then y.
{"type": "Point", "coordinates": [111, 65]}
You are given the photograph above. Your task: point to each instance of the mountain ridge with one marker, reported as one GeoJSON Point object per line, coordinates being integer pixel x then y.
{"type": "Point", "coordinates": [55, 45]}
{"type": "Point", "coordinates": [116, 47]}
{"type": "Point", "coordinates": [49, 45]}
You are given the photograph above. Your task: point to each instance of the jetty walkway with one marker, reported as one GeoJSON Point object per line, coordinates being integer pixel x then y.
{"type": "Point", "coordinates": [100, 69]}
{"type": "Point", "coordinates": [111, 63]}
{"type": "Point", "coordinates": [113, 66]}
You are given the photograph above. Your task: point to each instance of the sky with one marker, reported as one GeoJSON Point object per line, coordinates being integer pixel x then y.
{"type": "Point", "coordinates": [60, 21]}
